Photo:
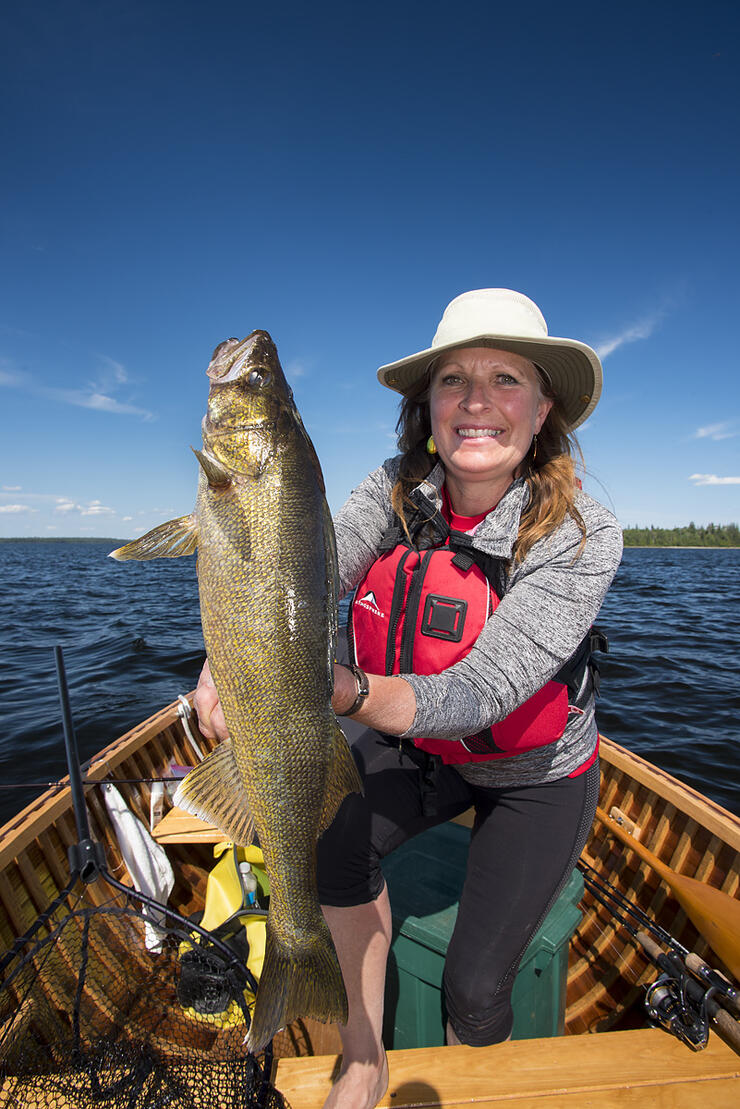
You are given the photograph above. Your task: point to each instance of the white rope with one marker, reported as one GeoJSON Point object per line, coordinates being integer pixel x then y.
{"type": "Point", "coordinates": [185, 711]}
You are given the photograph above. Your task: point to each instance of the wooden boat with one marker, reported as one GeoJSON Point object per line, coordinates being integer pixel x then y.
{"type": "Point", "coordinates": [691, 834]}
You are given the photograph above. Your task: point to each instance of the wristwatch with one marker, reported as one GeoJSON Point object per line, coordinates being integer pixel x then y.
{"type": "Point", "coordinates": [363, 688]}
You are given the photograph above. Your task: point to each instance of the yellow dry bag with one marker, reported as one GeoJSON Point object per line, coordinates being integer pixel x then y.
{"type": "Point", "coordinates": [237, 897]}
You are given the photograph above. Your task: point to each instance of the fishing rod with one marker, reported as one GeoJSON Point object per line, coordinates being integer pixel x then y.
{"type": "Point", "coordinates": [630, 907]}
{"type": "Point", "coordinates": [86, 856]}
{"type": "Point", "coordinates": [698, 967]}
{"type": "Point", "coordinates": [714, 913]}
{"type": "Point", "coordinates": [676, 1000]}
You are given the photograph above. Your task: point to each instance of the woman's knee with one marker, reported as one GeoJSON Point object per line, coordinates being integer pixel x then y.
{"type": "Point", "coordinates": [478, 1015]}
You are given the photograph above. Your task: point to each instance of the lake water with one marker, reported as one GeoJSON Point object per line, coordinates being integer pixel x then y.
{"type": "Point", "coordinates": [132, 642]}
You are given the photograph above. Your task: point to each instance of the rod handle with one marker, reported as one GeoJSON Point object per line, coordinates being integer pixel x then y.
{"type": "Point", "coordinates": [714, 978]}
{"type": "Point", "coordinates": [651, 948]}
{"type": "Point", "coordinates": [728, 1026]}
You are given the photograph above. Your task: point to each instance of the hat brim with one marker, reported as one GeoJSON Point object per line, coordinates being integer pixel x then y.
{"type": "Point", "coordinates": [573, 368]}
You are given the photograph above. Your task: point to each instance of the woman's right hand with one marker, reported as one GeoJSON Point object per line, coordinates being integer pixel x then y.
{"type": "Point", "coordinates": [208, 707]}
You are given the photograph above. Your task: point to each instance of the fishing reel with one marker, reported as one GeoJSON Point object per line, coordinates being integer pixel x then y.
{"type": "Point", "coordinates": [668, 1005]}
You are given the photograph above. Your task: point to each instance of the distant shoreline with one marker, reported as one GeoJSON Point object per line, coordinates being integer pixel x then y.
{"type": "Point", "coordinates": [119, 541]}
{"type": "Point", "coordinates": [59, 539]}
{"type": "Point", "coordinates": [678, 547]}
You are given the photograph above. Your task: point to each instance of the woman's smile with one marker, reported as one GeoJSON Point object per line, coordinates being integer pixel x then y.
{"type": "Point", "coordinates": [478, 432]}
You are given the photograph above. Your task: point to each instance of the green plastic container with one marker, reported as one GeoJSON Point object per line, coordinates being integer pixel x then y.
{"type": "Point", "coordinates": [425, 878]}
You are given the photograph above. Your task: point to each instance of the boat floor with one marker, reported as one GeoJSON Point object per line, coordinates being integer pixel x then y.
{"type": "Point", "coordinates": [613, 1069]}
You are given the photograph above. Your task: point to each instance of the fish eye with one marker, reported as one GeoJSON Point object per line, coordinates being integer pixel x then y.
{"type": "Point", "coordinates": [257, 379]}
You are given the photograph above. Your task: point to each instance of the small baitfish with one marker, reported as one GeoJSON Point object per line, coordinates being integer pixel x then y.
{"type": "Point", "coordinates": [268, 586]}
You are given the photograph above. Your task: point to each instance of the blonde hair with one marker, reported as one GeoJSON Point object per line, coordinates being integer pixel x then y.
{"type": "Point", "coordinates": [549, 471]}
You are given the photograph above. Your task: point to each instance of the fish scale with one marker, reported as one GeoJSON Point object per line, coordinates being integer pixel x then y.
{"type": "Point", "coordinates": [267, 583]}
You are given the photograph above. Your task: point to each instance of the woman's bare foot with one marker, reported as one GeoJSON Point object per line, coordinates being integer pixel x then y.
{"type": "Point", "coordinates": [359, 1086]}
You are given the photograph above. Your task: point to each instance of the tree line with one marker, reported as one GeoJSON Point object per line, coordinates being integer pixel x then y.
{"type": "Point", "coordinates": [709, 535]}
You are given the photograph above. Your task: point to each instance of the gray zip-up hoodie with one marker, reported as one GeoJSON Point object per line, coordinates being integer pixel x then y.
{"type": "Point", "coordinates": [551, 600]}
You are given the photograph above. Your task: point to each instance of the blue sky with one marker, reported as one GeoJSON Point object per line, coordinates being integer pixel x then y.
{"type": "Point", "coordinates": [174, 174]}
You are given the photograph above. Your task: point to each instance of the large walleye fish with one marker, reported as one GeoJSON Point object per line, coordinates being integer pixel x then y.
{"type": "Point", "coordinates": [267, 580]}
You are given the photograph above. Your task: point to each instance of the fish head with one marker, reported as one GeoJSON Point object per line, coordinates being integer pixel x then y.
{"type": "Point", "coordinates": [250, 404]}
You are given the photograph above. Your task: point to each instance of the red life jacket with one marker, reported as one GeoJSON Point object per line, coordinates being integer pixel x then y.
{"type": "Point", "coordinates": [419, 611]}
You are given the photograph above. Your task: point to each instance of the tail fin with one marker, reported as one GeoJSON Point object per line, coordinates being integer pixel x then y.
{"type": "Point", "coordinates": [297, 982]}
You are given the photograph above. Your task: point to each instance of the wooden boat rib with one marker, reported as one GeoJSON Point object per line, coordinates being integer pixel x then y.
{"type": "Point", "coordinates": [692, 834]}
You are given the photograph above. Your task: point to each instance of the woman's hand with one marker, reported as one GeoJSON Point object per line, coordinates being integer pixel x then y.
{"type": "Point", "coordinates": [208, 706]}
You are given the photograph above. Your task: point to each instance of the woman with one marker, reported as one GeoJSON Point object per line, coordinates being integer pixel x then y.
{"type": "Point", "coordinates": [480, 567]}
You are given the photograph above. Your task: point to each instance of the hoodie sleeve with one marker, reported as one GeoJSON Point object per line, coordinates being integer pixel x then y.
{"type": "Point", "coordinates": [552, 600]}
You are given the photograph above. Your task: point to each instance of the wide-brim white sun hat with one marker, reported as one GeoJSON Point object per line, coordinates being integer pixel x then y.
{"type": "Point", "coordinates": [506, 320]}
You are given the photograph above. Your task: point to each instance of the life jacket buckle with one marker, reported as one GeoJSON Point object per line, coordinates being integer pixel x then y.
{"type": "Point", "coordinates": [444, 617]}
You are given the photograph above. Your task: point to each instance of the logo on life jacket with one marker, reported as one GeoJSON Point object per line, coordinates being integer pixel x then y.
{"type": "Point", "coordinates": [369, 602]}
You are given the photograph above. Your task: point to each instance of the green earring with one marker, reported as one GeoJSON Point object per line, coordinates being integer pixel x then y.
{"type": "Point", "coordinates": [431, 445]}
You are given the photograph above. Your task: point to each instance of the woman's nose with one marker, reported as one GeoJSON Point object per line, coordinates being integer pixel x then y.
{"type": "Point", "coordinates": [476, 397]}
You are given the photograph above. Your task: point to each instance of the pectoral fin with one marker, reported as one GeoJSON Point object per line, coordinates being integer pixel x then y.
{"type": "Point", "coordinates": [171, 540]}
{"type": "Point", "coordinates": [214, 792]}
{"type": "Point", "coordinates": [215, 471]}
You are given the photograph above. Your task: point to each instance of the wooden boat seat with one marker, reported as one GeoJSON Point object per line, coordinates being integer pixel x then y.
{"type": "Point", "coordinates": [614, 1070]}
{"type": "Point", "coordinates": [178, 826]}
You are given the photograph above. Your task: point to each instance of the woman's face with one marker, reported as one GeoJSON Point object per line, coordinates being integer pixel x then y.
{"type": "Point", "coordinates": [485, 406]}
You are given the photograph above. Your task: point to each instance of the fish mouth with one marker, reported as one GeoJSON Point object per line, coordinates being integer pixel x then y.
{"type": "Point", "coordinates": [237, 360]}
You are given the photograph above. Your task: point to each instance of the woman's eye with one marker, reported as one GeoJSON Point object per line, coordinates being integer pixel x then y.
{"type": "Point", "coordinates": [506, 379]}
{"type": "Point", "coordinates": [451, 379]}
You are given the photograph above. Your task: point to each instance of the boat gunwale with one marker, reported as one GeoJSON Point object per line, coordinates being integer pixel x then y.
{"type": "Point", "coordinates": [689, 801]}
{"type": "Point", "coordinates": [41, 813]}
{"type": "Point", "coordinates": [38, 815]}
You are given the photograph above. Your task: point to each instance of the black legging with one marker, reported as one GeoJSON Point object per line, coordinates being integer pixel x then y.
{"type": "Point", "coordinates": [524, 845]}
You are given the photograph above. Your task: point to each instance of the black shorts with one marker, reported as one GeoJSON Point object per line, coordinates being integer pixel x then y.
{"type": "Point", "coordinates": [524, 845]}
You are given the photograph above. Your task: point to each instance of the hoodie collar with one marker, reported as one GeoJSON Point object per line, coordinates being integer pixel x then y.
{"type": "Point", "coordinates": [497, 534]}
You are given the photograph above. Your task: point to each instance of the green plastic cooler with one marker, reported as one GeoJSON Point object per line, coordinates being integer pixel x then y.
{"type": "Point", "coordinates": [425, 878]}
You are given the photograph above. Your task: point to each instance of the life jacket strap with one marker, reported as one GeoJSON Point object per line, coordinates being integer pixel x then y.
{"type": "Point", "coordinates": [571, 673]}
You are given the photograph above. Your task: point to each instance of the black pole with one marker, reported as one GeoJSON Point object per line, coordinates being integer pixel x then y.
{"type": "Point", "coordinates": [86, 856]}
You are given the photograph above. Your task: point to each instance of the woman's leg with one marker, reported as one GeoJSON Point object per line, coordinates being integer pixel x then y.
{"type": "Point", "coordinates": [362, 936]}
{"type": "Point", "coordinates": [524, 846]}
{"type": "Point", "coordinates": [396, 804]}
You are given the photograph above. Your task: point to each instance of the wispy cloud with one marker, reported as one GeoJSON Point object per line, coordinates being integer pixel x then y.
{"type": "Point", "coordinates": [97, 508]}
{"type": "Point", "coordinates": [93, 508]}
{"type": "Point", "coordinates": [10, 378]}
{"type": "Point", "coordinates": [16, 508]}
{"type": "Point", "coordinates": [97, 395]}
{"type": "Point", "coordinates": [643, 329]}
{"type": "Point", "coordinates": [12, 488]}
{"type": "Point", "coordinates": [295, 369]}
{"type": "Point", "coordinates": [101, 402]}
{"type": "Point", "coordinates": [713, 479]}
{"type": "Point", "coordinates": [715, 431]}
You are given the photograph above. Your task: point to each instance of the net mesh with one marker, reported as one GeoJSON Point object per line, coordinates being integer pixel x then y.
{"type": "Point", "coordinates": [92, 1016]}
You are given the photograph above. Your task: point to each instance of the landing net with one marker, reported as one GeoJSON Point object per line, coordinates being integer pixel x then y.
{"type": "Point", "coordinates": [90, 1016]}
